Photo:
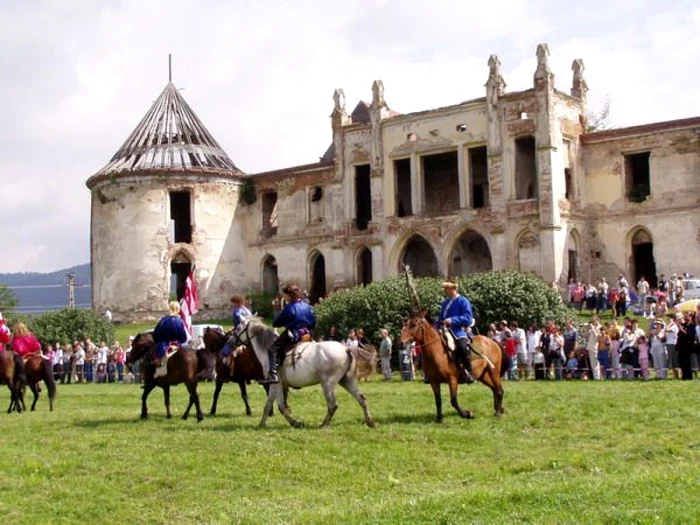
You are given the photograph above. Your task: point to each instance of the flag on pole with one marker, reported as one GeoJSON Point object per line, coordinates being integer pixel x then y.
{"type": "Point", "coordinates": [189, 302]}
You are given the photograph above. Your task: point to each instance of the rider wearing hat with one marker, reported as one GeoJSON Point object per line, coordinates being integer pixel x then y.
{"type": "Point", "coordinates": [298, 317]}
{"type": "Point", "coordinates": [456, 315]}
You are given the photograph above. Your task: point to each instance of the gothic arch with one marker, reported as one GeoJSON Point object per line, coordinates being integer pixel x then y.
{"type": "Point", "coordinates": [641, 255]}
{"type": "Point", "coordinates": [420, 256]}
{"type": "Point", "coordinates": [528, 254]}
{"type": "Point", "coordinates": [181, 263]}
{"type": "Point", "coordinates": [573, 255]}
{"type": "Point", "coordinates": [316, 264]}
{"type": "Point", "coordinates": [363, 265]}
{"type": "Point", "coordinates": [470, 253]}
{"type": "Point", "coordinates": [269, 274]}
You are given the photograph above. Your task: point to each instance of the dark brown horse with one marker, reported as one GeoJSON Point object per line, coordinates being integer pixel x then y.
{"type": "Point", "coordinates": [12, 375]}
{"type": "Point", "coordinates": [439, 367]}
{"type": "Point", "coordinates": [246, 367]}
{"type": "Point", "coordinates": [38, 369]}
{"type": "Point", "coordinates": [184, 366]}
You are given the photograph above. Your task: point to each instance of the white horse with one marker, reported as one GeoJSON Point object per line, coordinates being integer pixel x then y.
{"type": "Point", "coordinates": [328, 362]}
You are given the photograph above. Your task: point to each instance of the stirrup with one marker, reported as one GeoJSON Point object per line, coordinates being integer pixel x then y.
{"type": "Point", "coordinates": [269, 380]}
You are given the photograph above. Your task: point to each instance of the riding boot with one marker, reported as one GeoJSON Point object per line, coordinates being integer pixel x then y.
{"type": "Point", "coordinates": [272, 376]}
{"type": "Point", "coordinates": [467, 360]}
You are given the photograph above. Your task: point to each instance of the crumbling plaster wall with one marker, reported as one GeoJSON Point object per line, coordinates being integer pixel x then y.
{"type": "Point", "coordinates": [131, 251]}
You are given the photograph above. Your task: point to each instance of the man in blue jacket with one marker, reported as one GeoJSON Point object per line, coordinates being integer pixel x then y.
{"type": "Point", "coordinates": [456, 315]}
{"type": "Point", "coordinates": [298, 317]}
{"type": "Point", "coordinates": [170, 329]}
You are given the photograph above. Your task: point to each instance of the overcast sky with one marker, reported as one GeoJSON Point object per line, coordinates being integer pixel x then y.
{"type": "Point", "coordinates": [77, 76]}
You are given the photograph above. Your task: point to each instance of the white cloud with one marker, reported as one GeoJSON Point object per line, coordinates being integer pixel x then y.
{"type": "Point", "coordinates": [80, 75]}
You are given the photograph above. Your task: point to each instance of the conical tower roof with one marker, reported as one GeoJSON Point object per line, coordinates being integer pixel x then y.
{"type": "Point", "coordinates": [170, 138]}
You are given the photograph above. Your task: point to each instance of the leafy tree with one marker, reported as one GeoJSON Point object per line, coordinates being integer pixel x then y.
{"type": "Point", "coordinates": [499, 295]}
{"type": "Point", "coordinates": [8, 301]}
{"type": "Point", "coordinates": [70, 324]}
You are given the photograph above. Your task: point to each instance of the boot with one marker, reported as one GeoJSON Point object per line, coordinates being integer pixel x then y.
{"type": "Point", "coordinates": [272, 376]}
{"type": "Point", "coordinates": [467, 361]}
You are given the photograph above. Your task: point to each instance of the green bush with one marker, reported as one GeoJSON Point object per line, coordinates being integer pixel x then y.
{"type": "Point", "coordinates": [497, 295]}
{"type": "Point", "coordinates": [70, 324]}
{"type": "Point", "coordinates": [261, 303]}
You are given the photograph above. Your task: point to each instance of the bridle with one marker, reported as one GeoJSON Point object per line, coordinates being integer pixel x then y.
{"type": "Point", "coordinates": [422, 329]}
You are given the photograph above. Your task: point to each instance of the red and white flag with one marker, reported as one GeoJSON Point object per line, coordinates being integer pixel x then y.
{"type": "Point", "coordinates": [189, 303]}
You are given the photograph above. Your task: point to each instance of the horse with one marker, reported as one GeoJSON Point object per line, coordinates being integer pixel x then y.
{"type": "Point", "coordinates": [37, 369]}
{"type": "Point", "coordinates": [184, 366]}
{"type": "Point", "coordinates": [488, 365]}
{"type": "Point", "coordinates": [246, 367]}
{"type": "Point", "coordinates": [308, 363]}
{"type": "Point", "coordinates": [12, 375]}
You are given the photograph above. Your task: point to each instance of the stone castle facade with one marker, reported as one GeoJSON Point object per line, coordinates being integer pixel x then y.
{"type": "Point", "coordinates": [510, 180]}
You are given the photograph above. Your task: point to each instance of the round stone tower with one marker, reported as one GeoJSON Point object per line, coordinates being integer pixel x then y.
{"type": "Point", "coordinates": [165, 204]}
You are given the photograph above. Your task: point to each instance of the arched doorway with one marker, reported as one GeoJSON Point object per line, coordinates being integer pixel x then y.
{"type": "Point", "coordinates": [180, 268]}
{"type": "Point", "coordinates": [470, 254]}
{"type": "Point", "coordinates": [317, 267]}
{"type": "Point", "coordinates": [270, 279]}
{"type": "Point", "coordinates": [364, 266]}
{"type": "Point", "coordinates": [573, 257]}
{"type": "Point", "coordinates": [643, 263]}
{"type": "Point", "coordinates": [420, 257]}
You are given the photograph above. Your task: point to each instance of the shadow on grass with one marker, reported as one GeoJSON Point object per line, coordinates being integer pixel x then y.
{"type": "Point", "coordinates": [409, 419]}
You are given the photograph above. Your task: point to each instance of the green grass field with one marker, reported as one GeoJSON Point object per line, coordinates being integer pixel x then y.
{"type": "Point", "coordinates": [568, 452]}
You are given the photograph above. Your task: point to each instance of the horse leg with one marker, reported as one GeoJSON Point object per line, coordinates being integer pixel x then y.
{"type": "Point", "coordinates": [438, 401]}
{"type": "Point", "coordinates": [497, 388]}
{"type": "Point", "coordinates": [454, 386]}
{"type": "Point", "coordinates": [329, 393]}
{"type": "Point", "coordinates": [217, 391]}
{"type": "Point", "coordinates": [276, 393]}
{"type": "Point", "coordinates": [166, 398]}
{"type": "Point", "coordinates": [267, 411]}
{"type": "Point", "coordinates": [349, 384]}
{"type": "Point", "coordinates": [35, 391]}
{"type": "Point", "coordinates": [244, 395]}
{"type": "Point", "coordinates": [194, 399]}
{"type": "Point", "coordinates": [147, 389]}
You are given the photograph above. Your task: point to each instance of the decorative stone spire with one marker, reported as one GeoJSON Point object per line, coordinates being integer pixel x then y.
{"type": "Point", "coordinates": [495, 79]}
{"type": "Point", "coordinates": [378, 95]}
{"type": "Point", "coordinates": [579, 88]}
{"type": "Point", "coordinates": [339, 117]}
{"type": "Point", "coordinates": [543, 75]}
{"type": "Point", "coordinates": [495, 87]}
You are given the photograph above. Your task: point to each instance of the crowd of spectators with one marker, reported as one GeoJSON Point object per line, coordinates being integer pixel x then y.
{"type": "Point", "coordinates": [86, 362]}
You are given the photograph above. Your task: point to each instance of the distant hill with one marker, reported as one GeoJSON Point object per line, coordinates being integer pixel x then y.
{"type": "Point", "coordinates": [40, 292]}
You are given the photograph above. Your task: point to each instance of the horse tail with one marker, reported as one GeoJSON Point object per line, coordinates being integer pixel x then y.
{"type": "Point", "coordinates": [365, 360]}
{"type": "Point", "coordinates": [49, 380]}
{"type": "Point", "coordinates": [206, 361]}
{"type": "Point", "coordinates": [505, 361]}
{"type": "Point", "coordinates": [352, 361]}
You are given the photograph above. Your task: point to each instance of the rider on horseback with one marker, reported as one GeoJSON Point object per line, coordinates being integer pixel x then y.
{"type": "Point", "coordinates": [298, 317]}
{"type": "Point", "coordinates": [170, 329]}
{"type": "Point", "coordinates": [239, 315]}
{"type": "Point", "coordinates": [456, 316]}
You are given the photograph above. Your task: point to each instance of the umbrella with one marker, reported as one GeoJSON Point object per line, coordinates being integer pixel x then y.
{"type": "Point", "coordinates": [659, 294]}
{"type": "Point", "coordinates": [688, 306]}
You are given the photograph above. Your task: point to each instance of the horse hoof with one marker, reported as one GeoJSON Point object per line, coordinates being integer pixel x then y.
{"type": "Point", "coordinates": [144, 416]}
{"type": "Point", "coordinates": [200, 419]}
{"type": "Point", "coordinates": [184, 418]}
{"type": "Point", "coordinates": [438, 420]}
{"type": "Point", "coordinates": [371, 423]}
{"type": "Point", "coordinates": [169, 416]}
{"type": "Point", "coordinates": [298, 424]}
{"type": "Point", "coordinates": [468, 415]}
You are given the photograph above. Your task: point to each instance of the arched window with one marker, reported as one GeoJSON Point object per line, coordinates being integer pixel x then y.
{"type": "Point", "coordinates": [317, 272]}
{"type": "Point", "coordinates": [364, 266]}
{"type": "Point", "coordinates": [470, 254]}
{"type": "Point", "coordinates": [270, 279]}
{"type": "Point", "coordinates": [180, 268]}
{"type": "Point", "coordinates": [419, 255]}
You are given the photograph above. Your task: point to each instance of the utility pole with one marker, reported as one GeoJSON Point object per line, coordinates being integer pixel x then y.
{"type": "Point", "coordinates": [71, 290]}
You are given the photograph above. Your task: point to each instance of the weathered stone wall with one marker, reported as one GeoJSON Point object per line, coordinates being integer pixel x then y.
{"type": "Point", "coordinates": [132, 250]}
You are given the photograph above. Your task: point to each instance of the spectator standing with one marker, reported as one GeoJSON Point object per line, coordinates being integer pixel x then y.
{"type": "Point", "coordinates": [79, 360]}
{"type": "Point", "coordinates": [671, 333]}
{"type": "Point", "coordinates": [119, 360]}
{"type": "Point", "coordinates": [642, 292]}
{"type": "Point", "coordinates": [385, 354]}
{"type": "Point", "coordinates": [520, 340]}
{"type": "Point", "coordinates": [658, 348]}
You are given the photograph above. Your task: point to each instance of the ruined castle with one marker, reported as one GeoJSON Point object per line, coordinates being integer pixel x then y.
{"type": "Point", "coordinates": [509, 180]}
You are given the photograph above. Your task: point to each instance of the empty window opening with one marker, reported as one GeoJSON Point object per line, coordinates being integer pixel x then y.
{"type": "Point", "coordinates": [441, 182]}
{"type": "Point", "coordinates": [402, 169]}
{"type": "Point", "coordinates": [471, 254]}
{"type": "Point", "coordinates": [569, 183]}
{"type": "Point", "coordinates": [643, 263]}
{"type": "Point", "coordinates": [318, 278]}
{"type": "Point", "coordinates": [270, 279]}
{"type": "Point", "coordinates": [637, 173]}
{"type": "Point", "coordinates": [269, 213]}
{"type": "Point", "coordinates": [364, 266]}
{"type": "Point", "coordinates": [316, 204]}
{"type": "Point", "coordinates": [479, 173]}
{"type": "Point", "coordinates": [420, 257]}
{"type": "Point", "coordinates": [363, 196]}
{"type": "Point", "coordinates": [181, 216]}
{"type": "Point", "coordinates": [573, 266]}
{"type": "Point", "coordinates": [180, 268]}
{"type": "Point", "coordinates": [525, 168]}
{"type": "Point", "coordinates": [411, 137]}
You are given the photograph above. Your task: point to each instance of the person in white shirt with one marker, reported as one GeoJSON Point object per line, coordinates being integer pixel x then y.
{"type": "Point", "coordinates": [592, 347]}
{"type": "Point", "coordinates": [533, 337]}
{"type": "Point", "coordinates": [79, 361]}
{"type": "Point", "coordinates": [102, 353]}
{"type": "Point", "coordinates": [671, 333]}
{"type": "Point", "coordinates": [518, 335]}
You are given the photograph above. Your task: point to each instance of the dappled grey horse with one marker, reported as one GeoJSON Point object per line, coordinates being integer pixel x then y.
{"type": "Point", "coordinates": [329, 363]}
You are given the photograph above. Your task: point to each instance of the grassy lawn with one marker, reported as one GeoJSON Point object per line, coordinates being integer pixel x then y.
{"type": "Point", "coordinates": [570, 452]}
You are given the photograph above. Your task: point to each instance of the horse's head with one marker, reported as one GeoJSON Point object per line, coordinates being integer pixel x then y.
{"type": "Point", "coordinates": [141, 344]}
{"type": "Point", "coordinates": [214, 339]}
{"type": "Point", "coordinates": [415, 328]}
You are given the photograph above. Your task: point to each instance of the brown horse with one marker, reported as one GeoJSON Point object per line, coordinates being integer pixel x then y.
{"type": "Point", "coordinates": [184, 366]}
{"type": "Point", "coordinates": [39, 369]}
{"type": "Point", "coordinates": [12, 374]}
{"type": "Point", "coordinates": [439, 367]}
{"type": "Point", "coordinates": [246, 367]}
